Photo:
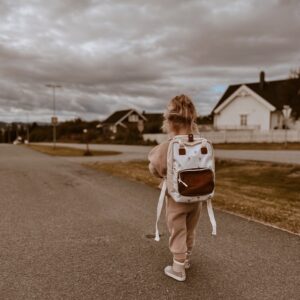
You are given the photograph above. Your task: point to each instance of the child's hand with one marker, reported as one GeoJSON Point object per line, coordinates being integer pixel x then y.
{"type": "Point", "coordinates": [153, 171]}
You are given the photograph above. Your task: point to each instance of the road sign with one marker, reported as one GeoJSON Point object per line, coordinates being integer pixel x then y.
{"type": "Point", "coordinates": [54, 120]}
{"type": "Point", "coordinates": [286, 111]}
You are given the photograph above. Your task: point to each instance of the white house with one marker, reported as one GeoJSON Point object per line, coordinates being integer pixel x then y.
{"type": "Point", "coordinates": [258, 106]}
{"type": "Point", "coordinates": [123, 120]}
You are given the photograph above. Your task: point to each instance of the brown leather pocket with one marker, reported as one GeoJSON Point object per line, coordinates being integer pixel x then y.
{"type": "Point", "coordinates": [196, 182]}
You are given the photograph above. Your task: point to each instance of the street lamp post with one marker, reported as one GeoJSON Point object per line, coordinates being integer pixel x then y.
{"type": "Point", "coordinates": [54, 117]}
{"type": "Point", "coordinates": [87, 151]}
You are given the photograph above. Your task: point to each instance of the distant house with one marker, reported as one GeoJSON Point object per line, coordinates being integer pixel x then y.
{"type": "Point", "coordinates": [258, 106]}
{"type": "Point", "coordinates": [154, 122]}
{"type": "Point", "coordinates": [123, 120]}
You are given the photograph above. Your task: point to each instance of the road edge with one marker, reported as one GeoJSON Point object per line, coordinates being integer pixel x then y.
{"type": "Point", "coordinates": [256, 221]}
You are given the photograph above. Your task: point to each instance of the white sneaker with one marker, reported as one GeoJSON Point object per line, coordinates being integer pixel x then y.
{"type": "Point", "coordinates": [177, 271]}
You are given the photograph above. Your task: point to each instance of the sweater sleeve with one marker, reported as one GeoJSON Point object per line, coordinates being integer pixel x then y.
{"type": "Point", "coordinates": [158, 160]}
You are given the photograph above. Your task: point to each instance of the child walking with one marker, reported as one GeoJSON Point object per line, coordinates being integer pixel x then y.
{"type": "Point", "coordinates": [182, 218]}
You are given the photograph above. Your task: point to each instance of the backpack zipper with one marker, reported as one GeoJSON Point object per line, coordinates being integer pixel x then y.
{"type": "Point", "coordinates": [180, 180]}
{"type": "Point", "coordinates": [189, 170]}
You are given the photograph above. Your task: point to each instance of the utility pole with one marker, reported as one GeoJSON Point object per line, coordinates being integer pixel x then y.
{"type": "Point", "coordinates": [27, 129]}
{"type": "Point", "coordinates": [54, 120]}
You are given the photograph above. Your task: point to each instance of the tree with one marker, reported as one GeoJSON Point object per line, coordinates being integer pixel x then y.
{"type": "Point", "coordinates": [294, 73]}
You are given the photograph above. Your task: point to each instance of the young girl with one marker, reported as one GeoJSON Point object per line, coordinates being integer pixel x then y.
{"type": "Point", "coordinates": [182, 218]}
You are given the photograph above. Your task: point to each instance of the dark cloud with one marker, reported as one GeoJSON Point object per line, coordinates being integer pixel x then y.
{"type": "Point", "coordinates": [111, 55]}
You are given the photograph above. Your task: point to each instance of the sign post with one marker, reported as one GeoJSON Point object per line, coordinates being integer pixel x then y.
{"type": "Point", "coordinates": [54, 119]}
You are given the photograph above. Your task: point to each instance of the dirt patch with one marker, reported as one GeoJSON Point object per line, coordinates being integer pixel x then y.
{"type": "Point", "coordinates": [69, 151]}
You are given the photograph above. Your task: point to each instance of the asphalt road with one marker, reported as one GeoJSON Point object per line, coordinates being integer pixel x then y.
{"type": "Point", "coordinates": [140, 153]}
{"type": "Point", "coordinates": [71, 233]}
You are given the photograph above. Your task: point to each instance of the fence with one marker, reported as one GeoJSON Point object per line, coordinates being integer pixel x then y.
{"type": "Point", "coordinates": [218, 137]}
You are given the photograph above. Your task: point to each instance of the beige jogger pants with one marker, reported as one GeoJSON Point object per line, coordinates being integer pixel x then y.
{"type": "Point", "coordinates": [182, 219]}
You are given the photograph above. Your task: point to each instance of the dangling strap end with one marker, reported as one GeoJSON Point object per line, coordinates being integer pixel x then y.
{"type": "Point", "coordinates": [157, 236]}
{"type": "Point", "coordinates": [214, 232]}
{"type": "Point", "coordinates": [159, 208]}
{"type": "Point", "coordinates": [211, 217]}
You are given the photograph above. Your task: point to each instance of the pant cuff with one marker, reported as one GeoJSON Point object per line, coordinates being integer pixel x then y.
{"type": "Point", "coordinates": [179, 256]}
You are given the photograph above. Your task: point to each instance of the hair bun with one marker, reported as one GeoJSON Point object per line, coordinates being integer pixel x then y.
{"type": "Point", "coordinates": [181, 113]}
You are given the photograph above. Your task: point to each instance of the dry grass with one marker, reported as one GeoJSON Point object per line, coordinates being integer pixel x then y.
{"type": "Point", "coordinates": [258, 146]}
{"type": "Point", "coordinates": [68, 151]}
{"type": "Point", "coordinates": [262, 191]}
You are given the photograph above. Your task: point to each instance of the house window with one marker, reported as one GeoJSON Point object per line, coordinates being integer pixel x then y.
{"type": "Point", "coordinates": [133, 118]}
{"type": "Point", "coordinates": [113, 128]}
{"type": "Point", "coordinates": [243, 120]}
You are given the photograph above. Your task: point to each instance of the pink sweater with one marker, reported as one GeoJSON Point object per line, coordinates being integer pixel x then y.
{"type": "Point", "coordinates": [158, 160]}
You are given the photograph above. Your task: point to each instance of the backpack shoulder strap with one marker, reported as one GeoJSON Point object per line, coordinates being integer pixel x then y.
{"type": "Point", "coordinates": [159, 207]}
{"type": "Point", "coordinates": [211, 217]}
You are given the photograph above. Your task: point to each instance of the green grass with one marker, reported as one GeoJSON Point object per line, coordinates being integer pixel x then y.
{"type": "Point", "coordinates": [261, 191]}
{"type": "Point", "coordinates": [68, 151]}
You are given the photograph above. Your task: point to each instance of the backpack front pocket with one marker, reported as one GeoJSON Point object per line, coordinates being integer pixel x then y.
{"type": "Point", "coordinates": [196, 182]}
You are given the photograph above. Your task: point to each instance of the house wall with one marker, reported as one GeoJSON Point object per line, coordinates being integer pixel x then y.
{"type": "Point", "coordinates": [258, 116]}
{"type": "Point", "coordinates": [138, 122]}
{"type": "Point", "coordinates": [128, 119]}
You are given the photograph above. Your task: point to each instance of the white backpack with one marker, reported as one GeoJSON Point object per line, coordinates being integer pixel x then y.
{"type": "Point", "coordinates": [190, 174]}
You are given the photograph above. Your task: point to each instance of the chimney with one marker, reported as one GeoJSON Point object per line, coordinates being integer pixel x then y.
{"type": "Point", "coordinates": [262, 80]}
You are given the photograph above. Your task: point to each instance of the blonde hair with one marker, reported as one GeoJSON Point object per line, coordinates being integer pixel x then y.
{"type": "Point", "coordinates": [180, 113]}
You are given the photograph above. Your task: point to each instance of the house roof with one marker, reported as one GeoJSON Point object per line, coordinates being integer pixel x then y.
{"type": "Point", "coordinates": [154, 117]}
{"type": "Point", "coordinates": [278, 93]}
{"type": "Point", "coordinates": [116, 116]}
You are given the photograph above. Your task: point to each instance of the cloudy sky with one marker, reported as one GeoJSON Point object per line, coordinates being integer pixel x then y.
{"type": "Point", "coordinates": [111, 55]}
